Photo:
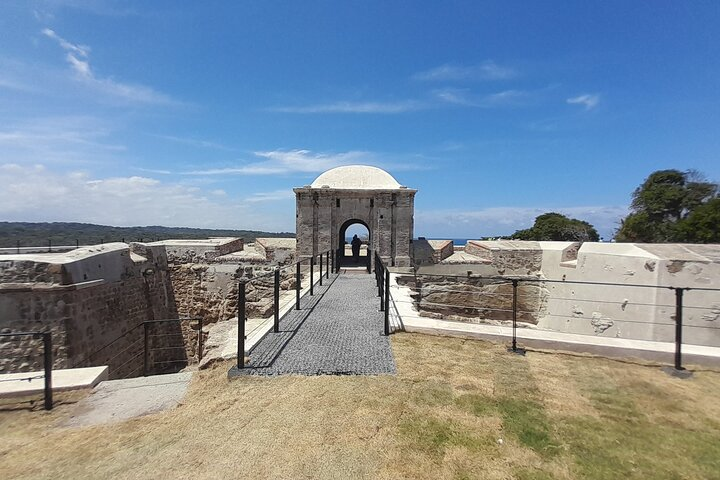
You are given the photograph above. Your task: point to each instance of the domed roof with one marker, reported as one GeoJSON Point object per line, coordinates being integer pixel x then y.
{"type": "Point", "coordinates": [362, 177]}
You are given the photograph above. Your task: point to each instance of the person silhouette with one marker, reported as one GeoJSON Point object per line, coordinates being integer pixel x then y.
{"type": "Point", "coordinates": [356, 248]}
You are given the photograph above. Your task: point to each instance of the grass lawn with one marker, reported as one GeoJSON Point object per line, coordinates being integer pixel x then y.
{"type": "Point", "coordinates": [456, 409]}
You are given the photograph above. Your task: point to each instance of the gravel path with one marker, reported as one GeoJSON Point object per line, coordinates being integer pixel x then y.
{"type": "Point", "coordinates": [339, 331]}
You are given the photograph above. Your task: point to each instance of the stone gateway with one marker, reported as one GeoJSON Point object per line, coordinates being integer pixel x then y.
{"type": "Point", "coordinates": [356, 194]}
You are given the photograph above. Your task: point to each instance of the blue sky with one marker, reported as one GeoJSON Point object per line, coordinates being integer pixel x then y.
{"type": "Point", "coordinates": [206, 114]}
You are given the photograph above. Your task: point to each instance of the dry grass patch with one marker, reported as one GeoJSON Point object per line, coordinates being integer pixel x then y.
{"type": "Point", "coordinates": [456, 409]}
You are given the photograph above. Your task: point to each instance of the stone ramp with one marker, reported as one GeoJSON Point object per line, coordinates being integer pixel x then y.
{"type": "Point", "coordinates": [338, 332]}
{"type": "Point", "coordinates": [118, 400]}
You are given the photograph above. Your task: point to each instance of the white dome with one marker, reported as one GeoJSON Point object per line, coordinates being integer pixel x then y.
{"type": "Point", "coordinates": [361, 177]}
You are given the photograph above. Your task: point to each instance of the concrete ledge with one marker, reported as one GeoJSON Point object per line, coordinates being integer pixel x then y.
{"type": "Point", "coordinates": [606, 347]}
{"type": "Point", "coordinates": [46, 287]}
{"type": "Point", "coordinates": [12, 385]}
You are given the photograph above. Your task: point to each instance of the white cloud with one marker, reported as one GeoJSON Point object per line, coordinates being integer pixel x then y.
{"type": "Point", "coordinates": [35, 193]}
{"type": "Point", "coordinates": [73, 139]}
{"type": "Point", "coordinates": [464, 97]}
{"type": "Point", "coordinates": [355, 107]}
{"type": "Point", "coordinates": [288, 161]}
{"type": "Point", "coordinates": [506, 220]}
{"type": "Point", "coordinates": [438, 99]}
{"type": "Point", "coordinates": [81, 50]}
{"type": "Point", "coordinates": [78, 58]}
{"type": "Point", "coordinates": [271, 196]}
{"type": "Point", "coordinates": [588, 100]}
{"type": "Point", "coordinates": [487, 70]}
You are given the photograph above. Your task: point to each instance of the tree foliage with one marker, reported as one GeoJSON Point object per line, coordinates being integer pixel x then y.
{"type": "Point", "coordinates": [554, 226]}
{"type": "Point", "coordinates": [662, 206]}
{"type": "Point", "coordinates": [39, 234]}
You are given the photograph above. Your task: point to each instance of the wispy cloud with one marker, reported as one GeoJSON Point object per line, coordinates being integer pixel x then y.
{"type": "Point", "coordinates": [588, 100]}
{"type": "Point", "coordinates": [506, 220]}
{"type": "Point", "coordinates": [193, 142]}
{"type": "Point", "coordinates": [355, 107]}
{"type": "Point", "coordinates": [77, 57]}
{"type": "Point", "coordinates": [487, 70]}
{"type": "Point", "coordinates": [437, 99]}
{"type": "Point", "coordinates": [64, 139]}
{"type": "Point", "coordinates": [465, 97]}
{"type": "Point", "coordinates": [277, 162]}
{"type": "Point", "coordinates": [81, 50]}
{"type": "Point", "coordinates": [274, 196]}
{"type": "Point", "coordinates": [15, 85]}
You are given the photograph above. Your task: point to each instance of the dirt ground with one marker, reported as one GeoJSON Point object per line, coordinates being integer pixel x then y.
{"type": "Point", "coordinates": [456, 409]}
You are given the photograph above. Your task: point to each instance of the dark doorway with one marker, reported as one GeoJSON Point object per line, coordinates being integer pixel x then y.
{"type": "Point", "coordinates": [354, 232]}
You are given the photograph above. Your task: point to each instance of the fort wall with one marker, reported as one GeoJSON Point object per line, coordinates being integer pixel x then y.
{"type": "Point", "coordinates": [582, 296]}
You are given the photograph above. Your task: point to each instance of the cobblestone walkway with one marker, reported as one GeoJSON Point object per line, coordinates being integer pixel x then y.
{"type": "Point", "coordinates": [339, 331]}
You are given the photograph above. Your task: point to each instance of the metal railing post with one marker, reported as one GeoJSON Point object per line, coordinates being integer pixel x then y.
{"type": "Point", "coordinates": [678, 328]}
{"type": "Point", "coordinates": [327, 263]}
{"type": "Point", "coordinates": [312, 273]}
{"type": "Point", "coordinates": [77, 243]}
{"type": "Point", "coordinates": [200, 339]}
{"type": "Point", "coordinates": [49, 245]}
{"type": "Point", "coordinates": [146, 350]}
{"type": "Point", "coordinates": [387, 302]}
{"type": "Point", "coordinates": [321, 271]}
{"type": "Point", "coordinates": [276, 302]}
{"type": "Point", "coordinates": [241, 325]}
{"type": "Point", "coordinates": [381, 290]}
{"type": "Point", "coordinates": [514, 315]}
{"type": "Point", "coordinates": [48, 364]}
{"type": "Point", "coordinates": [297, 286]}
{"type": "Point", "coordinates": [514, 348]}
{"type": "Point", "coordinates": [332, 259]}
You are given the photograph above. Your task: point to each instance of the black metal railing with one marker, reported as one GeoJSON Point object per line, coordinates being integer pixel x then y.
{"type": "Point", "coordinates": [159, 343]}
{"type": "Point", "coordinates": [47, 362]}
{"type": "Point", "coordinates": [64, 245]}
{"type": "Point", "coordinates": [508, 291]}
{"type": "Point", "coordinates": [382, 279]}
{"type": "Point", "coordinates": [326, 261]}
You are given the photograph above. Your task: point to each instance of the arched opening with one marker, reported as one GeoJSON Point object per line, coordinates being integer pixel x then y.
{"type": "Point", "coordinates": [354, 240]}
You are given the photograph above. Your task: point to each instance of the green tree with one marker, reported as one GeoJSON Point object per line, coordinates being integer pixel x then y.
{"type": "Point", "coordinates": [554, 226]}
{"type": "Point", "coordinates": [702, 225]}
{"type": "Point", "coordinates": [661, 205]}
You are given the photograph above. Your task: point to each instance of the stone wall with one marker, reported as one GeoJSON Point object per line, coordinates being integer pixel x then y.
{"type": "Point", "coordinates": [388, 214]}
{"type": "Point", "coordinates": [190, 251]}
{"type": "Point", "coordinates": [211, 290]}
{"type": "Point", "coordinates": [87, 299]}
{"type": "Point", "coordinates": [431, 252]}
{"type": "Point", "coordinates": [601, 289]}
{"type": "Point", "coordinates": [476, 300]}
{"type": "Point", "coordinates": [95, 296]}
{"type": "Point", "coordinates": [508, 257]}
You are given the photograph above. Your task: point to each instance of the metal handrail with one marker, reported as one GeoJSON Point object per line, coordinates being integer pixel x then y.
{"type": "Point", "coordinates": [330, 263]}
{"type": "Point", "coordinates": [526, 279]}
{"type": "Point", "coordinates": [47, 362]}
{"type": "Point", "coordinates": [518, 281]}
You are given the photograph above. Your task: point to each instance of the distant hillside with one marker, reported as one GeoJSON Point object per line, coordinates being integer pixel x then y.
{"type": "Point", "coordinates": [38, 234]}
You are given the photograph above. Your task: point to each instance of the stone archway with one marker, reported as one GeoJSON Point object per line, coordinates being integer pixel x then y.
{"type": "Point", "coordinates": [342, 235]}
{"type": "Point", "coordinates": [356, 194]}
